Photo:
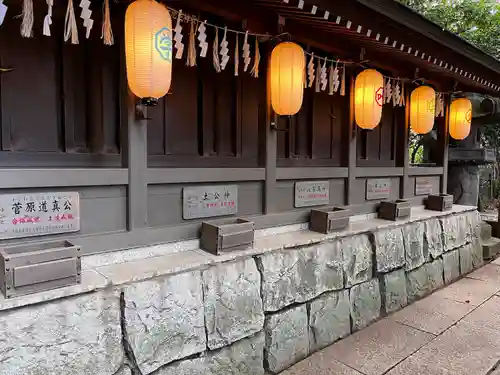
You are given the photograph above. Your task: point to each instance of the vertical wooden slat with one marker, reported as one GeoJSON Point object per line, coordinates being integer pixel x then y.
{"type": "Point", "coordinates": [351, 150]}
{"type": "Point", "coordinates": [137, 163]}
{"type": "Point", "coordinates": [238, 120]}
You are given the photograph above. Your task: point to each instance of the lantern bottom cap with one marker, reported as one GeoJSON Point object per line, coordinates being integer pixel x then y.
{"type": "Point", "coordinates": [149, 102]}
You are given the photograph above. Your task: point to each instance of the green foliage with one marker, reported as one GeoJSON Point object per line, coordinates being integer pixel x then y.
{"type": "Point", "coordinates": [477, 21]}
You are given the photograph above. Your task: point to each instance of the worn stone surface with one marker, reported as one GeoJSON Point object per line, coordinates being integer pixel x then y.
{"type": "Point", "coordinates": [393, 291]}
{"type": "Point", "coordinates": [466, 264]}
{"type": "Point", "coordinates": [73, 336]}
{"type": "Point", "coordinates": [476, 252]}
{"type": "Point", "coordinates": [233, 307]}
{"type": "Point", "coordinates": [433, 238]}
{"type": "Point", "coordinates": [125, 370]}
{"type": "Point", "coordinates": [413, 236]}
{"type": "Point", "coordinates": [298, 275]}
{"type": "Point", "coordinates": [329, 319]}
{"type": "Point", "coordinates": [424, 280]}
{"type": "Point", "coordinates": [473, 226]}
{"type": "Point", "coordinates": [164, 319]}
{"type": "Point", "coordinates": [366, 303]}
{"type": "Point", "coordinates": [357, 254]}
{"type": "Point", "coordinates": [245, 357]}
{"type": "Point", "coordinates": [455, 229]}
{"type": "Point", "coordinates": [287, 338]}
{"type": "Point", "coordinates": [389, 249]}
{"type": "Point", "coordinates": [451, 266]}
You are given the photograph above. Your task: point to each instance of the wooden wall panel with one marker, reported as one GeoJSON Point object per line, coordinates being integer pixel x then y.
{"type": "Point", "coordinates": [165, 203]}
{"type": "Point", "coordinates": [30, 95]}
{"type": "Point", "coordinates": [377, 147]}
{"type": "Point", "coordinates": [60, 99]}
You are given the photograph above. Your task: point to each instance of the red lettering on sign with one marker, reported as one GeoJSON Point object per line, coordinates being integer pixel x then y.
{"type": "Point", "coordinates": [14, 221]}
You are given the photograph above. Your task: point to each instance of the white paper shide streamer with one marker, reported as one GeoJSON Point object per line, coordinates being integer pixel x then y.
{"type": "Point", "coordinates": [224, 51]}
{"type": "Point", "coordinates": [179, 46]}
{"type": "Point", "coordinates": [388, 91]}
{"type": "Point", "coordinates": [439, 105]}
{"type": "Point", "coordinates": [3, 11]}
{"type": "Point", "coordinates": [310, 71]}
{"type": "Point", "coordinates": [396, 94]}
{"type": "Point", "coordinates": [246, 53]}
{"type": "Point", "coordinates": [86, 15]}
{"type": "Point", "coordinates": [324, 77]}
{"type": "Point", "coordinates": [70, 28]}
{"type": "Point", "coordinates": [318, 76]}
{"type": "Point", "coordinates": [202, 39]}
{"type": "Point", "coordinates": [47, 21]}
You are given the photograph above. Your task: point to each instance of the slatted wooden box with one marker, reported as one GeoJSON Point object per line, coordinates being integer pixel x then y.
{"type": "Point", "coordinates": [394, 210]}
{"type": "Point", "coordinates": [223, 238]}
{"type": "Point", "coordinates": [441, 202]}
{"type": "Point", "coordinates": [330, 219]}
{"type": "Point", "coordinates": [27, 269]}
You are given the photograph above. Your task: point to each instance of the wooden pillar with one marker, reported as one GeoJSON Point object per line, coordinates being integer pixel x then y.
{"type": "Point", "coordinates": [135, 158]}
{"type": "Point", "coordinates": [351, 148]}
{"type": "Point", "coordinates": [443, 141]}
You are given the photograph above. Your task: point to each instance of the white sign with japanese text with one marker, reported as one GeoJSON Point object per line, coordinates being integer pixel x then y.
{"type": "Point", "coordinates": [28, 215]}
{"type": "Point", "coordinates": [312, 193]}
{"type": "Point", "coordinates": [209, 201]}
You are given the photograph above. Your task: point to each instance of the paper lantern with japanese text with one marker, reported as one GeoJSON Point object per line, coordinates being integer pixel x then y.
{"type": "Point", "coordinates": [460, 118]}
{"type": "Point", "coordinates": [368, 99]}
{"type": "Point", "coordinates": [286, 78]}
{"type": "Point", "coordinates": [422, 109]}
{"type": "Point", "coordinates": [148, 49]}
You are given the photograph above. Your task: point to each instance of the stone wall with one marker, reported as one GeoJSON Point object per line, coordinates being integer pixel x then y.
{"type": "Point", "coordinates": [247, 317]}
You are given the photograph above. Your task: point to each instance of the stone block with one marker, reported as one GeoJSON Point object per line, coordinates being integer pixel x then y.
{"type": "Point", "coordinates": [357, 259]}
{"type": "Point", "coordinates": [245, 357]}
{"type": "Point", "coordinates": [73, 336]}
{"type": "Point", "coordinates": [389, 249]}
{"type": "Point", "coordinates": [233, 307]}
{"type": "Point", "coordinates": [299, 275]}
{"type": "Point", "coordinates": [287, 338]}
{"type": "Point", "coordinates": [424, 280]}
{"type": "Point", "coordinates": [164, 319]}
{"type": "Point", "coordinates": [451, 266]}
{"type": "Point", "coordinates": [466, 264]}
{"type": "Point", "coordinates": [433, 238]}
{"type": "Point", "coordinates": [455, 229]}
{"type": "Point", "coordinates": [393, 291]}
{"type": "Point", "coordinates": [413, 236]}
{"type": "Point", "coordinates": [365, 303]}
{"type": "Point", "coordinates": [329, 319]}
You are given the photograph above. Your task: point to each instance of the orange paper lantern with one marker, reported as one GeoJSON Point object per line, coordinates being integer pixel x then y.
{"type": "Point", "coordinates": [286, 78]}
{"type": "Point", "coordinates": [368, 99]}
{"type": "Point", "coordinates": [148, 49]}
{"type": "Point", "coordinates": [460, 118]}
{"type": "Point", "coordinates": [422, 109]}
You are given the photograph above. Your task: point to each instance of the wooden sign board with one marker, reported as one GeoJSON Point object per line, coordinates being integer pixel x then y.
{"type": "Point", "coordinates": [378, 188]}
{"type": "Point", "coordinates": [312, 193]}
{"type": "Point", "coordinates": [38, 214]}
{"type": "Point", "coordinates": [209, 201]}
{"type": "Point", "coordinates": [423, 186]}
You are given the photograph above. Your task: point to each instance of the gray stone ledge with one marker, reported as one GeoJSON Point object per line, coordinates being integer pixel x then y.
{"type": "Point", "coordinates": [141, 264]}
